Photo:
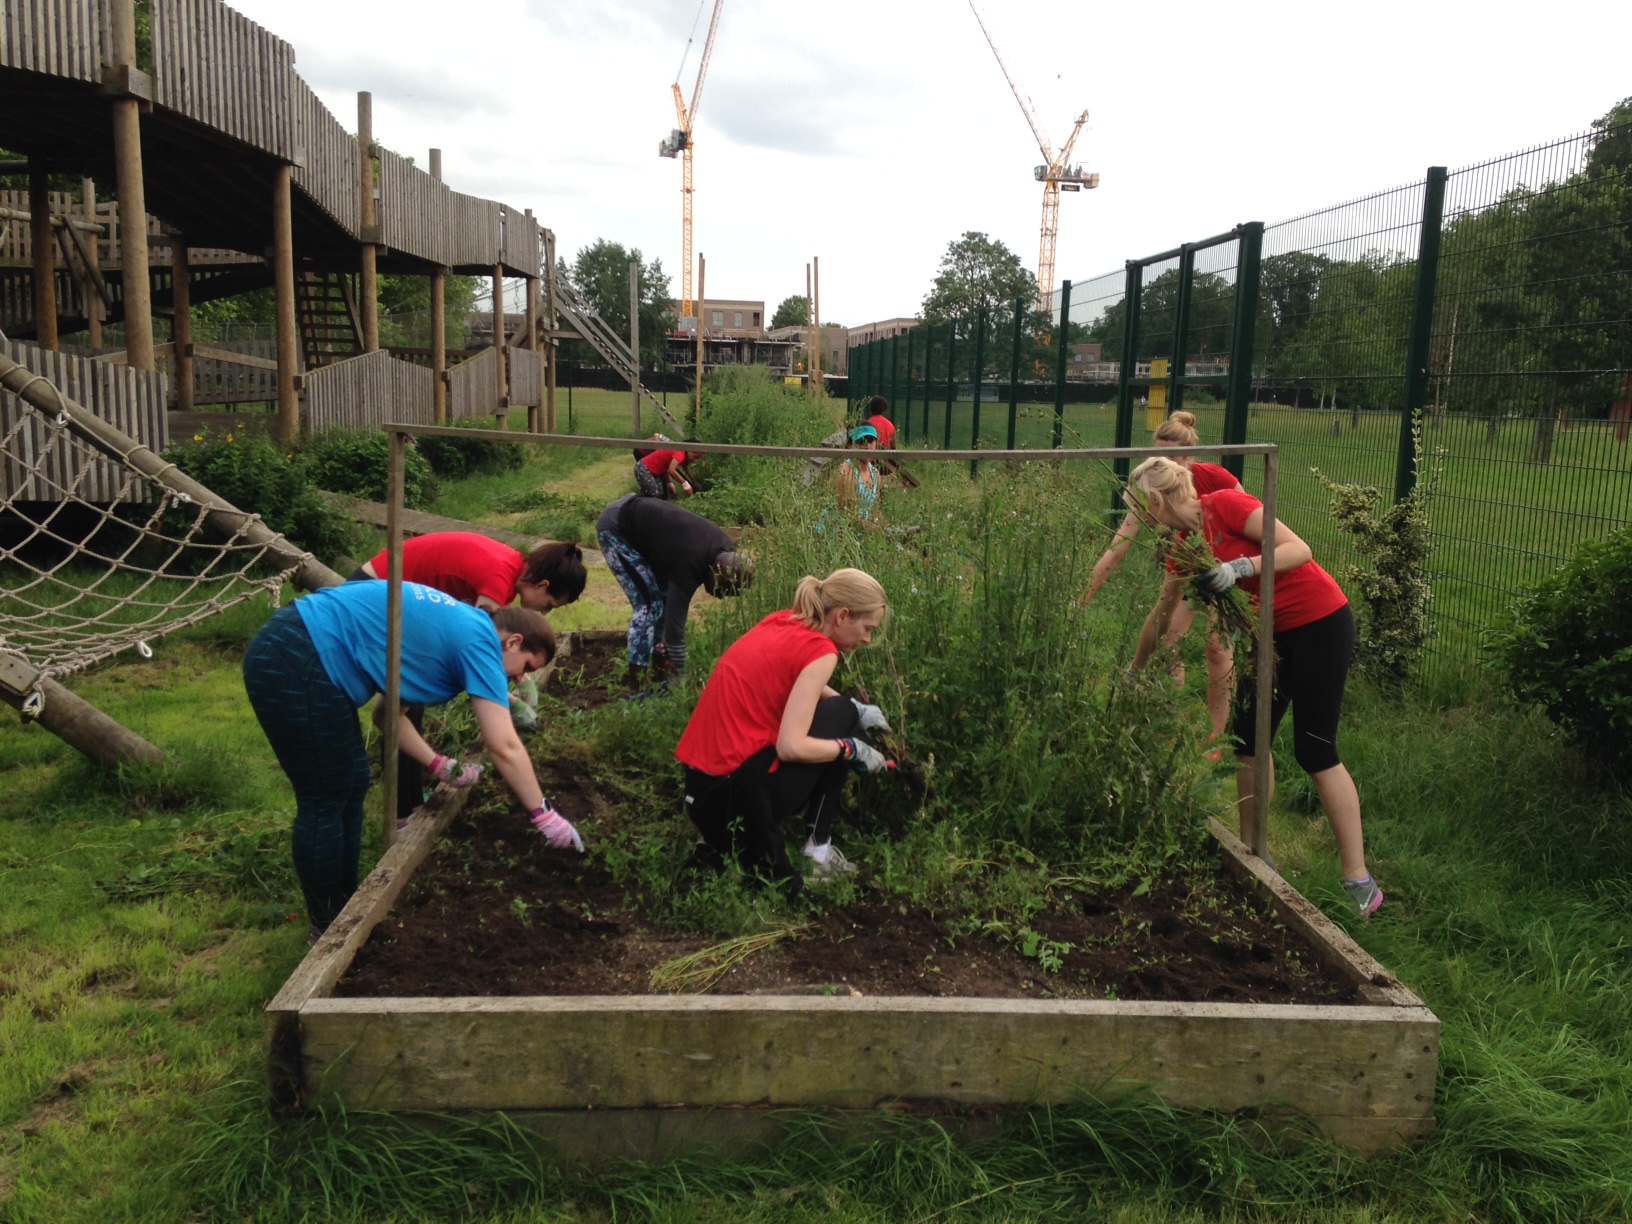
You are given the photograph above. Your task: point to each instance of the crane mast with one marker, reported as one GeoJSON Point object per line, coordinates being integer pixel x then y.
{"type": "Point", "coordinates": [679, 143]}
{"type": "Point", "coordinates": [1056, 173]}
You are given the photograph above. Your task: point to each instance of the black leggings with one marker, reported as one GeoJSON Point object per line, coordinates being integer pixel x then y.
{"type": "Point", "coordinates": [741, 814]}
{"type": "Point", "coordinates": [1311, 668]}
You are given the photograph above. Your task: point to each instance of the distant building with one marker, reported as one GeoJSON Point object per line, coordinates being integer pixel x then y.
{"type": "Point", "coordinates": [835, 345]}
{"type": "Point", "coordinates": [728, 319]}
{"type": "Point", "coordinates": [881, 330]}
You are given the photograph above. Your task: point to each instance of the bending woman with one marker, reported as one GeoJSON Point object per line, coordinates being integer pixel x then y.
{"type": "Point", "coordinates": [1178, 430]}
{"type": "Point", "coordinates": [317, 660]}
{"type": "Point", "coordinates": [1313, 647]}
{"type": "Point", "coordinates": [770, 737]}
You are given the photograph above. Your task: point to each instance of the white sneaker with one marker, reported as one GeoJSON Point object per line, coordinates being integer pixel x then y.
{"type": "Point", "coordinates": [827, 862]}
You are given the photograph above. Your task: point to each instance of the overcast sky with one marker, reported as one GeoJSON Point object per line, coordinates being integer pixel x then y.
{"type": "Point", "coordinates": [872, 132]}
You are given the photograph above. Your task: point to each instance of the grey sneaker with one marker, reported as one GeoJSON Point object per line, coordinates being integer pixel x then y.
{"type": "Point", "coordinates": [1365, 894]}
{"type": "Point", "coordinates": [835, 866]}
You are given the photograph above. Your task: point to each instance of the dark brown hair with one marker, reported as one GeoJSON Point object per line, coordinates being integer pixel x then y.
{"type": "Point", "coordinates": [560, 565]}
{"type": "Point", "coordinates": [536, 635]}
{"type": "Point", "coordinates": [878, 406]}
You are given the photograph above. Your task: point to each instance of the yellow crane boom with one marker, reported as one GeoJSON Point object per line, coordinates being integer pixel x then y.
{"type": "Point", "coordinates": [679, 143]}
{"type": "Point", "coordinates": [1055, 172]}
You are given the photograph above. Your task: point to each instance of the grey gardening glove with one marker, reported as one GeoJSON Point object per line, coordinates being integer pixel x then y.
{"type": "Point", "coordinates": [1222, 577]}
{"type": "Point", "coordinates": [863, 757]}
{"type": "Point", "coordinates": [872, 718]}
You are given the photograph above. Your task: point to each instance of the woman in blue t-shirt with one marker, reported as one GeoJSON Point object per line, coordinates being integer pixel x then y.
{"type": "Point", "coordinates": [318, 660]}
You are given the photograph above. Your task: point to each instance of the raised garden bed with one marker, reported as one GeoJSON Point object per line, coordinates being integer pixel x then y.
{"type": "Point", "coordinates": [472, 972]}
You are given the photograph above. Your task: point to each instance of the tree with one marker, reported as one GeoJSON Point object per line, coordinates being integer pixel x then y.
{"type": "Point", "coordinates": [976, 271]}
{"type": "Point", "coordinates": [600, 274]}
{"type": "Point", "coordinates": [793, 312]}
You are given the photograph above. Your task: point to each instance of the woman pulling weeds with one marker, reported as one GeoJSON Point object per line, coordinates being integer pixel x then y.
{"type": "Point", "coordinates": [770, 737]}
{"type": "Point", "coordinates": [316, 661]}
{"type": "Point", "coordinates": [1178, 430]}
{"type": "Point", "coordinates": [857, 479]}
{"type": "Point", "coordinates": [477, 570]}
{"type": "Point", "coordinates": [1312, 650]}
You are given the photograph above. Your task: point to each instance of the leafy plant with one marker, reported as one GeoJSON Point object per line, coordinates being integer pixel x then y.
{"type": "Point", "coordinates": [456, 458]}
{"type": "Point", "coordinates": [357, 464]}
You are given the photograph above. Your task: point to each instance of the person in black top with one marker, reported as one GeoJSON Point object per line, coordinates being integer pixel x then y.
{"type": "Point", "coordinates": [660, 553]}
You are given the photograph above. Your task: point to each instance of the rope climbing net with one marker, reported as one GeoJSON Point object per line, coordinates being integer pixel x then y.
{"type": "Point", "coordinates": [99, 556]}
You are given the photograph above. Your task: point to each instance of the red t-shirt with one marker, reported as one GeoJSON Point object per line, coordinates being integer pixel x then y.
{"type": "Point", "coordinates": [463, 564]}
{"type": "Point", "coordinates": [740, 710]}
{"type": "Point", "coordinates": [886, 430]}
{"type": "Point", "coordinates": [1302, 595]}
{"type": "Point", "coordinates": [659, 463]}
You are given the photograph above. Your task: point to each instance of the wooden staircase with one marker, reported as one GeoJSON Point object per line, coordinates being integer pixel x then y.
{"type": "Point", "coordinates": [327, 315]}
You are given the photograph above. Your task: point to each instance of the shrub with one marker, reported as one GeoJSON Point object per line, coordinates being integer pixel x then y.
{"type": "Point", "coordinates": [255, 474]}
{"type": "Point", "coordinates": [742, 405]}
{"type": "Point", "coordinates": [456, 458]}
{"type": "Point", "coordinates": [1567, 646]}
{"type": "Point", "coordinates": [356, 464]}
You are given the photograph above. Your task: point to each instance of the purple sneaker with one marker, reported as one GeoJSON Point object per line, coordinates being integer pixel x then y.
{"type": "Point", "coordinates": [1365, 894]}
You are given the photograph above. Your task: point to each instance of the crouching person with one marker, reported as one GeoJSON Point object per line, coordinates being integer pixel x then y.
{"type": "Point", "coordinates": [316, 661]}
{"type": "Point", "coordinates": [770, 738]}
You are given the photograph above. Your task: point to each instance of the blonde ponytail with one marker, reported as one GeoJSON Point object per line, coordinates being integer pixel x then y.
{"type": "Point", "coordinates": [1179, 428]}
{"type": "Point", "coordinates": [1163, 481]}
{"type": "Point", "coordinates": [815, 597]}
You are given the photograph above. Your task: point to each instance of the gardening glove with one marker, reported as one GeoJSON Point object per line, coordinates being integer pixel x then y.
{"type": "Point", "coordinates": [872, 718]}
{"type": "Point", "coordinates": [1222, 577]}
{"type": "Point", "coordinates": [863, 757]}
{"type": "Point", "coordinates": [557, 829]}
{"type": "Point", "coordinates": [524, 704]}
{"type": "Point", "coordinates": [447, 769]}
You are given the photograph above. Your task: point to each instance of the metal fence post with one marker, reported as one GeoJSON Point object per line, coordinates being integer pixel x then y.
{"type": "Point", "coordinates": [951, 377]}
{"type": "Point", "coordinates": [895, 374]}
{"type": "Point", "coordinates": [1422, 330]}
{"type": "Point", "coordinates": [929, 379]}
{"type": "Point", "coordinates": [1132, 295]}
{"type": "Point", "coordinates": [1243, 332]}
{"type": "Point", "coordinates": [906, 413]}
{"type": "Point", "coordinates": [1062, 339]}
{"type": "Point", "coordinates": [980, 365]}
{"type": "Point", "coordinates": [1181, 329]}
{"type": "Point", "coordinates": [1014, 370]}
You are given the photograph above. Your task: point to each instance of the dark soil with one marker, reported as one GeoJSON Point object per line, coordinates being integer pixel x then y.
{"type": "Point", "coordinates": [593, 675]}
{"type": "Point", "coordinates": [492, 911]}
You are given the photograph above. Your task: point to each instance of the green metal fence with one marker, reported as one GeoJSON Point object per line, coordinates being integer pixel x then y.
{"type": "Point", "coordinates": [1486, 310]}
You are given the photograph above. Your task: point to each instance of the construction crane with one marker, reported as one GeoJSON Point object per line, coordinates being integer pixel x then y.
{"type": "Point", "coordinates": [1056, 174]}
{"type": "Point", "coordinates": [679, 143]}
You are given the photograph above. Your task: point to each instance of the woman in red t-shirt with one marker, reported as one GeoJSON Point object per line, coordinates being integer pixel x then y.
{"type": "Point", "coordinates": [1178, 430]}
{"type": "Point", "coordinates": [663, 473]}
{"type": "Point", "coordinates": [770, 737]}
{"type": "Point", "coordinates": [1313, 647]}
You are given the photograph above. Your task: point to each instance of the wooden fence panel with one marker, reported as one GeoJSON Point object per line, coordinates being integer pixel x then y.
{"type": "Point", "coordinates": [59, 37]}
{"type": "Point", "coordinates": [217, 66]}
{"type": "Point", "coordinates": [365, 392]}
{"type": "Point", "coordinates": [471, 389]}
{"type": "Point", "coordinates": [132, 401]}
{"type": "Point", "coordinates": [414, 210]}
{"type": "Point", "coordinates": [326, 166]}
{"type": "Point", "coordinates": [526, 372]}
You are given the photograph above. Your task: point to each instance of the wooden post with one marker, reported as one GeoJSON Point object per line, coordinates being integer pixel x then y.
{"type": "Point", "coordinates": [535, 412]}
{"type": "Point", "coordinates": [283, 282]}
{"type": "Point", "coordinates": [816, 312]}
{"type": "Point", "coordinates": [439, 324]}
{"type": "Point", "coordinates": [44, 247]}
{"type": "Point", "coordinates": [127, 156]}
{"type": "Point", "coordinates": [396, 453]}
{"type": "Point", "coordinates": [368, 283]}
{"type": "Point", "coordinates": [810, 334]}
{"type": "Point", "coordinates": [501, 401]}
{"type": "Point", "coordinates": [634, 348]}
{"type": "Point", "coordinates": [553, 350]}
{"type": "Point", "coordinates": [1263, 763]}
{"type": "Point", "coordinates": [93, 246]}
{"type": "Point", "coordinates": [697, 407]}
{"type": "Point", "coordinates": [181, 288]}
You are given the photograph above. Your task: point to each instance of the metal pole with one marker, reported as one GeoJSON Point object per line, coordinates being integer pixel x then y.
{"type": "Point", "coordinates": [1014, 369]}
{"type": "Point", "coordinates": [980, 365]}
{"type": "Point", "coordinates": [1243, 331]}
{"type": "Point", "coordinates": [697, 406]}
{"type": "Point", "coordinates": [398, 449]}
{"type": "Point", "coordinates": [634, 348]}
{"type": "Point", "coordinates": [906, 413]}
{"type": "Point", "coordinates": [1263, 762]}
{"type": "Point", "coordinates": [895, 374]}
{"type": "Point", "coordinates": [929, 344]}
{"type": "Point", "coordinates": [1181, 329]}
{"type": "Point", "coordinates": [1062, 342]}
{"type": "Point", "coordinates": [1132, 294]}
{"type": "Point", "coordinates": [1422, 330]}
{"type": "Point", "coordinates": [951, 377]}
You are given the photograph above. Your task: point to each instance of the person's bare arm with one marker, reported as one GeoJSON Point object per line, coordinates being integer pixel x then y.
{"type": "Point", "coordinates": [1111, 558]}
{"type": "Point", "coordinates": [409, 741]}
{"type": "Point", "coordinates": [1156, 623]}
{"type": "Point", "coordinates": [794, 741]}
{"type": "Point", "coordinates": [509, 755]}
{"type": "Point", "coordinates": [1290, 549]}
{"type": "Point", "coordinates": [487, 604]}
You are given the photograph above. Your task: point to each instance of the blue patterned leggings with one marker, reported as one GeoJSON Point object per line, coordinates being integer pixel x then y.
{"type": "Point", "coordinates": [634, 575]}
{"type": "Point", "coordinates": [314, 731]}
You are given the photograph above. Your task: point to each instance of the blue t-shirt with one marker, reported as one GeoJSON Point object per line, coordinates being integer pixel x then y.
{"type": "Point", "coordinates": [448, 647]}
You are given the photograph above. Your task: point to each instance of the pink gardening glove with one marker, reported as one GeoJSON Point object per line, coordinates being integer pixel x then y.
{"type": "Point", "coordinates": [447, 770]}
{"type": "Point", "coordinates": [557, 829]}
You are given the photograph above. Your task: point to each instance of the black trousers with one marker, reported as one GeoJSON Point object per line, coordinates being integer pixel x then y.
{"type": "Point", "coordinates": [741, 815]}
{"type": "Point", "coordinates": [1311, 671]}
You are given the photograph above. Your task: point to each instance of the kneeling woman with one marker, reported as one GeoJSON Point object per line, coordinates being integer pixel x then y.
{"type": "Point", "coordinates": [770, 738]}
{"type": "Point", "coordinates": [1313, 647]}
{"type": "Point", "coordinates": [316, 661]}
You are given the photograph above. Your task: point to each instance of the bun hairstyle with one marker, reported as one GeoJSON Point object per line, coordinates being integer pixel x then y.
{"type": "Point", "coordinates": [536, 635]}
{"type": "Point", "coordinates": [855, 589]}
{"type": "Point", "coordinates": [560, 565]}
{"type": "Point", "coordinates": [1179, 428]}
{"type": "Point", "coordinates": [1163, 481]}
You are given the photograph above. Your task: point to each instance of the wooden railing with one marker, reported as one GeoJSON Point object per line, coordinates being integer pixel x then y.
{"type": "Point", "coordinates": [213, 64]}
{"type": "Point", "coordinates": [365, 392]}
{"type": "Point", "coordinates": [132, 400]}
{"type": "Point", "coordinates": [60, 38]}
